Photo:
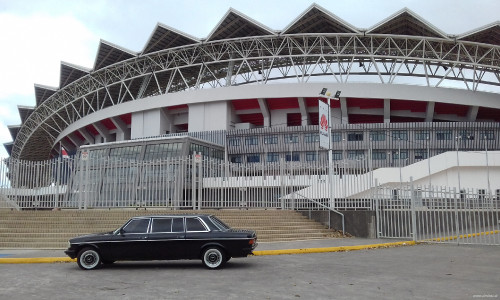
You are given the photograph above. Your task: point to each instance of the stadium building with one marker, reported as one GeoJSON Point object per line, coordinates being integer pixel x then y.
{"type": "Point", "coordinates": [249, 94]}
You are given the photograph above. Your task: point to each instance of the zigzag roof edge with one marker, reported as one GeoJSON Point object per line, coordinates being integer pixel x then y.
{"type": "Point", "coordinates": [477, 30]}
{"type": "Point", "coordinates": [413, 14]}
{"type": "Point", "coordinates": [242, 15]}
{"type": "Point", "coordinates": [26, 107]}
{"type": "Point", "coordinates": [159, 24]}
{"type": "Point", "coordinates": [101, 41]}
{"type": "Point", "coordinates": [45, 87]}
{"type": "Point", "coordinates": [327, 12]}
{"type": "Point", "coordinates": [14, 126]}
{"type": "Point", "coordinates": [73, 66]}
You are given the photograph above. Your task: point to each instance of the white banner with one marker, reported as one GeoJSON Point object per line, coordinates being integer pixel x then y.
{"type": "Point", "coordinates": [324, 124]}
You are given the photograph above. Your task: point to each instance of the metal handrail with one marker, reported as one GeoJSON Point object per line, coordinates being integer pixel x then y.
{"type": "Point", "coordinates": [326, 207]}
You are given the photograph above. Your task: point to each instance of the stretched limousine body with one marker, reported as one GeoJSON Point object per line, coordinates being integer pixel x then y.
{"type": "Point", "coordinates": [170, 237]}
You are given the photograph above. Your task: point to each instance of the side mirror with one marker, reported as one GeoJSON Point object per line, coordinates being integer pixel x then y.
{"type": "Point", "coordinates": [121, 232]}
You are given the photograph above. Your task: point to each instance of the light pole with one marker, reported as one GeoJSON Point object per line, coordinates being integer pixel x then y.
{"type": "Point", "coordinates": [324, 92]}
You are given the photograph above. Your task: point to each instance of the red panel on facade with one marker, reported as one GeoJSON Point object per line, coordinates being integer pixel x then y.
{"type": "Point", "coordinates": [92, 130]}
{"type": "Point", "coordinates": [395, 119]}
{"type": "Point", "coordinates": [245, 104]}
{"type": "Point", "coordinates": [79, 135]}
{"type": "Point", "coordinates": [314, 118]}
{"type": "Point", "coordinates": [256, 119]}
{"type": "Point", "coordinates": [127, 118]}
{"type": "Point", "coordinates": [313, 102]}
{"type": "Point", "coordinates": [360, 119]}
{"type": "Point", "coordinates": [451, 109]}
{"type": "Point", "coordinates": [294, 119]}
{"type": "Point", "coordinates": [485, 113]}
{"type": "Point", "coordinates": [413, 106]}
{"type": "Point", "coordinates": [177, 106]}
{"type": "Point", "coordinates": [365, 103]}
{"type": "Point", "coordinates": [282, 103]}
{"type": "Point", "coordinates": [109, 124]}
{"type": "Point", "coordinates": [182, 127]}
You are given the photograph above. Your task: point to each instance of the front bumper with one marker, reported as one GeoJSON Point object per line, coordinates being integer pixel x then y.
{"type": "Point", "coordinates": [71, 253]}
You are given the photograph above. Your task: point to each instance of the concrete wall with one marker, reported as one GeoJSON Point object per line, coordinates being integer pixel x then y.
{"type": "Point", "coordinates": [358, 223]}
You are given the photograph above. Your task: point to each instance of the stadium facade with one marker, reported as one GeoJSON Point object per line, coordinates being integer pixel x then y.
{"type": "Point", "coordinates": [408, 92]}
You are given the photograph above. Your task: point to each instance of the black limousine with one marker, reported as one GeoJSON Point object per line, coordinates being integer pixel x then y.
{"type": "Point", "coordinates": [170, 237]}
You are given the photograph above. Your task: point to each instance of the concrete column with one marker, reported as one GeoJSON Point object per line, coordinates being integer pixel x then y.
{"type": "Point", "coordinates": [265, 112]}
{"type": "Point", "coordinates": [122, 131]}
{"type": "Point", "coordinates": [103, 131]}
{"type": "Point", "coordinates": [387, 110]}
{"type": "Point", "coordinates": [86, 135]}
{"type": "Point", "coordinates": [429, 115]}
{"type": "Point", "coordinates": [343, 109]}
{"type": "Point", "coordinates": [304, 116]}
{"type": "Point", "coordinates": [472, 113]}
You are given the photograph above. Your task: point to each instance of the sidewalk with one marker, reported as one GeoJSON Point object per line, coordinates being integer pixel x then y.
{"type": "Point", "coordinates": [264, 248]}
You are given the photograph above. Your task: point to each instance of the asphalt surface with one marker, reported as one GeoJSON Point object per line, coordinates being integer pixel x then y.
{"type": "Point", "coordinates": [423, 271]}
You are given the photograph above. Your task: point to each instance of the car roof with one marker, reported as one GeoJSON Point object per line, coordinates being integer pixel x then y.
{"type": "Point", "coordinates": [172, 216]}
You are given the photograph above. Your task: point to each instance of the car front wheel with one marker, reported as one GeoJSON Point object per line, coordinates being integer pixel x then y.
{"type": "Point", "coordinates": [214, 258]}
{"type": "Point", "coordinates": [88, 259]}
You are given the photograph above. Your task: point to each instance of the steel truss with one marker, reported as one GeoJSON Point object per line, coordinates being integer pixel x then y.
{"type": "Point", "coordinates": [259, 60]}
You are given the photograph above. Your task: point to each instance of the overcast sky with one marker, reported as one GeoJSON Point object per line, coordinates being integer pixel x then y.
{"type": "Point", "coordinates": [37, 35]}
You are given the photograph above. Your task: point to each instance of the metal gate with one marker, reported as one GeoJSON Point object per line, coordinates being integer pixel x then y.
{"type": "Point", "coordinates": [437, 214]}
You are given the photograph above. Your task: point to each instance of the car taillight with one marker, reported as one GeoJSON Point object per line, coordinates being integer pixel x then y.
{"type": "Point", "coordinates": [251, 242]}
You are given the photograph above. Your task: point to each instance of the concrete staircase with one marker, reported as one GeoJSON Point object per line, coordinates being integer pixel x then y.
{"type": "Point", "coordinates": [52, 229]}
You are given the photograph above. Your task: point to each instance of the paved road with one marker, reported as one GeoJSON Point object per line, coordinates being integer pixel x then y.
{"type": "Point", "coordinates": [412, 272]}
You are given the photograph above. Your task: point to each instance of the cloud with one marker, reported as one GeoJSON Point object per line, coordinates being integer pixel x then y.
{"type": "Point", "coordinates": [33, 47]}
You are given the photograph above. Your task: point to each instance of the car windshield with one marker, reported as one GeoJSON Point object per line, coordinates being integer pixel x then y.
{"type": "Point", "coordinates": [221, 225]}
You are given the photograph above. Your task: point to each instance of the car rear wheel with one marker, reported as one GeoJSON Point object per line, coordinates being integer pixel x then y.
{"type": "Point", "coordinates": [88, 259]}
{"type": "Point", "coordinates": [214, 258]}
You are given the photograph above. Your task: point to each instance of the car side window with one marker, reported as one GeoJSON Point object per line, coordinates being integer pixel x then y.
{"type": "Point", "coordinates": [194, 224]}
{"type": "Point", "coordinates": [161, 225]}
{"type": "Point", "coordinates": [177, 225]}
{"type": "Point", "coordinates": [137, 226]}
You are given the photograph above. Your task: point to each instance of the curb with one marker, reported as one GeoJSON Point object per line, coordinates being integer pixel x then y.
{"type": "Point", "coordinates": [332, 249]}
{"type": "Point", "coordinates": [44, 260]}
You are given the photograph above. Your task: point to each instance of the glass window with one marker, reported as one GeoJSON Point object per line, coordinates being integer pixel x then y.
{"type": "Point", "coordinates": [204, 150]}
{"type": "Point", "coordinates": [294, 156]}
{"type": "Point", "coordinates": [194, 224]}
{"type": "Point", "coordinates": [253, 158]}
{"type": "Point", "coordinates": [251, 140]}
{"type": "Point", "coordinates": [337, 155]}
{"type": "Point", "coordinates": [235, 141]}
{"type": "Point", "coordinates": [177, 225]}
{"type": "Point", "coordinates": [487, 135]}
{"type": "Point", "coordinates": [401, 135]}
{"type": "Point", "coordinates": [291, 138]}
{"type": "Point", "coordinates": [272, 157]}
{"type": "Point", "coordinates": [377, 136]}
{"type": "Point", "coordinates": [422, 135]}
{"type": "Point", "coordinates": [404, 154]}
{"type": "Point", "coordinates": [355, 136]}
{"type": "Point", "coordinates": [137, 226]}
{"type": "Point", "coordinates": [130, 153]}
{"type": "Point", "coordinates": [311, 137]}
{"type": "Point", "coordinates": [235, 159]}
{"type": "Point", "coordinates": [443, 135]}
{"type": "Point", "coordinates": [161, 151]}
{"type": "Point", "coordinates": [466, 135]}
{"type": "Point", "coordinates": [162, 225]}
{"type": "Point", "coordinates": [355, 154]}
{"type": "Point", "coordinates": [379, 155]}
{"type": "Point", "coordinates": [270, 139]}
{"type": "Point", "coordinates": [421, 154]}
{"type": "Point", "coordinates": [336, 136]}
{"type": "Point", "coordinates": [311, 156]}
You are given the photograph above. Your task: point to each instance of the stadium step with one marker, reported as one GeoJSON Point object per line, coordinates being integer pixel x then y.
{"type": "Point", "coordinates": [52, 229]}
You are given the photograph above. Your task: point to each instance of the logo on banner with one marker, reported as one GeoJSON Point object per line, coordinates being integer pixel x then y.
{"type": "Point", "coordinates": [324, 122]}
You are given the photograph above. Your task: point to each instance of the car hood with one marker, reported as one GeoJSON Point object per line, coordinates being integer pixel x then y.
{"type": "Point", "coordinates": [90, 237]}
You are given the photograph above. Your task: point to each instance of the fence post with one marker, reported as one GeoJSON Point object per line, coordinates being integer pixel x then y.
{"type": "Point", "coordinates": [413, 212]}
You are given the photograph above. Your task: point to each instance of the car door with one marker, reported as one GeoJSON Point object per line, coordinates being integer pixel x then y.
{"type": "Point", "coordinates": [166, 237]}
{"type": "Point", "coordinates": [197, 234]}
{"type": "Point", "coordinates": [130, 242]}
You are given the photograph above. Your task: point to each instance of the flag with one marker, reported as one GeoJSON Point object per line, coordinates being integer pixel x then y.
{"type": "Point", "coordinates": [64, 153]}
